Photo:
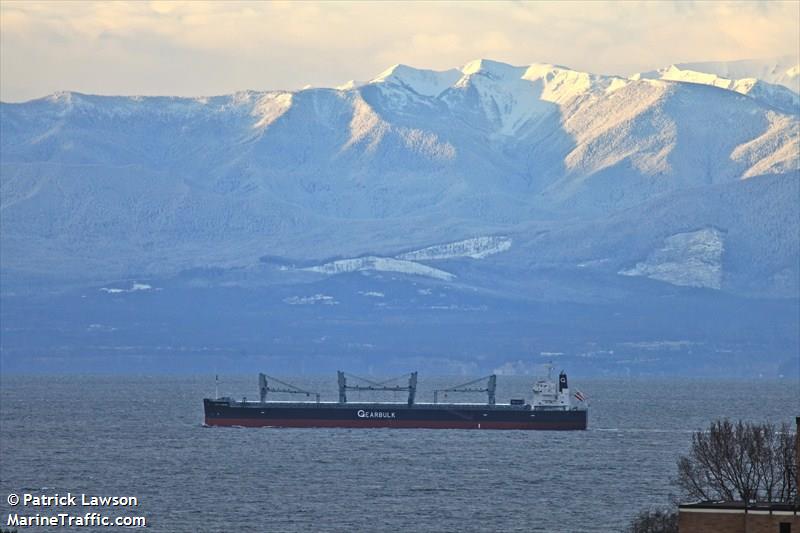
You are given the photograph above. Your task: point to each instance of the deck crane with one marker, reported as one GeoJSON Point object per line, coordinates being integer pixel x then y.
{"type": "Point", "coordinates": [491, 387]}
{"type": "Point", "coordinates": [264, 388]}
{"type": "Point", "coordinates": [376, 386]}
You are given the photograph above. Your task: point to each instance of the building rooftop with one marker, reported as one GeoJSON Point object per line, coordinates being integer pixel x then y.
{"type": "Point", "coordinates": [771, 507]}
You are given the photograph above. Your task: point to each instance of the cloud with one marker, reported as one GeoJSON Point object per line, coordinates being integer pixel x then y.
{"type": "Point", "coordinates": [193, 48]}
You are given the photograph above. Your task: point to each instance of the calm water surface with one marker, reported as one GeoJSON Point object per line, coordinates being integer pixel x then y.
{"type": "Point", "coordinates": [143, 436]}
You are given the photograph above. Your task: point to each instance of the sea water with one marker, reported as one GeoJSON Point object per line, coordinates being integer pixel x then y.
{"type": "Point", "coordinates": [143, 437]}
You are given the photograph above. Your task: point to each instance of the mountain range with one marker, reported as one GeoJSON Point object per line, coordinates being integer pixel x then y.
{"type": "Point", "coordinates": [515, 184]}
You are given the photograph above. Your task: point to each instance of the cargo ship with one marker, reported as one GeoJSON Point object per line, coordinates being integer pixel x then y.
{"type": "Point", "coordinates": [551, 408]}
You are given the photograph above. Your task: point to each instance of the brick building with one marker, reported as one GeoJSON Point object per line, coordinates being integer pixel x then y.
{"type": "Point", "coordinates": [735, 517]}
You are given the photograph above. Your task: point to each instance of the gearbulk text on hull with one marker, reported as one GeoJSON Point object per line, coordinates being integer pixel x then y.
{"type": "Point", "coordinates": [551, 409]}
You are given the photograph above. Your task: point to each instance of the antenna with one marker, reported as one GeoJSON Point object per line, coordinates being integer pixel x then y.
{"type": "Point", "coordinates": [216, 386]}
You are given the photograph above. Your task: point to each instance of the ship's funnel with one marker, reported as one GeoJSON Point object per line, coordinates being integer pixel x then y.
{"type": "Point", "coordinates": [562, 381]}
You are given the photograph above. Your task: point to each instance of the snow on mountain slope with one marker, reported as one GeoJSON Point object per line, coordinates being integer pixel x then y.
{"type": "Point", "coordinates": [645, 138]}
{"type": "Point", "coordinates": [774, 95]}
{"type": "Point", "coordinates": [757, 220]}
{"type": "Point", "coordinates": [407, 263]}
{"type": "Point", "coordinates": [506, 98]}
{"type": "Point", "coordinates": [691, 259]}
{"type": "Point", "coordinates": [299, 144]}
{"type": "Point", "coordinates": [323, 299]}
{"type": "Point", "coordinates": [783, 70]}
{"type": "Point", "coordinates": [475, 248]}
{"type": "Point", "coordinates": [423, 82]}
{"type": "Point", "coordinates": [119, 186]}
{"type": "Point", "coordinates": [774, 152]}
{"type": "Point", "coordinates": [380, 264]}
{"type": "Point", "coordinates": [270, 107]}
{"type": "Point", "coordinates": [771, 94]}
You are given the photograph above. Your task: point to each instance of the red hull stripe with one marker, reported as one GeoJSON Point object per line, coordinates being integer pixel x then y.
{"type": "Point", "coordinates": [378, 423]}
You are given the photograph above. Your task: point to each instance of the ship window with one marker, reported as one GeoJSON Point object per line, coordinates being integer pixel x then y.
{"type": "Point", "coordinates": [786, 527]}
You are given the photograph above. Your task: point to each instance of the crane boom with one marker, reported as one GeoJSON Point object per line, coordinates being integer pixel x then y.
{"type": "Point", "coordinates": [264, 388]}
{"type": "Point", "coordinates": [491, 387]}
{"type": "Point", "coordinates": [376, 386]}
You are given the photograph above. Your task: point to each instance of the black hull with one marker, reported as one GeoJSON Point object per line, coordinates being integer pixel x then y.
{"type": "Point", "coordinates": [363, 415]}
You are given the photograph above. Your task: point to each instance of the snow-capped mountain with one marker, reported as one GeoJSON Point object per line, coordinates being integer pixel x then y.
{"type": "Point", "coordinates": [776, 95]}
{"type": "Point", "coordinates": [392, 174]}
{"type": "Point", "coordinates": [784, 70]}
{"type": "Point", "coordinates": [459, 220]}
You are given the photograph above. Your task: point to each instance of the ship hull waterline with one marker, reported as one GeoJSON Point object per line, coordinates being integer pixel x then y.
{"type": "Point", "coordinates": [397, 416]}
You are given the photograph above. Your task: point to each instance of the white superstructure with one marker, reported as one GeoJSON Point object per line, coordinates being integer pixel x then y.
{"type": "Point", "coordinates": [551, 395]}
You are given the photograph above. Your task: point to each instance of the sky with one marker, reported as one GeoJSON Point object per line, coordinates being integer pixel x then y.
{"type": "Point", "coordinates": [207, 48]}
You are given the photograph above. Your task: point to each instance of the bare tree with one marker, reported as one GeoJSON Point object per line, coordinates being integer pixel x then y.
{"type": "Point", "coordinates": [655, 521]}
{"type": "Point", "coordinates": [740, 462]}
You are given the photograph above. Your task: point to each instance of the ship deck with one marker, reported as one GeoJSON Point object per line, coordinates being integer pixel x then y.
{"type": "Point", "coordinates": [228, 402]}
